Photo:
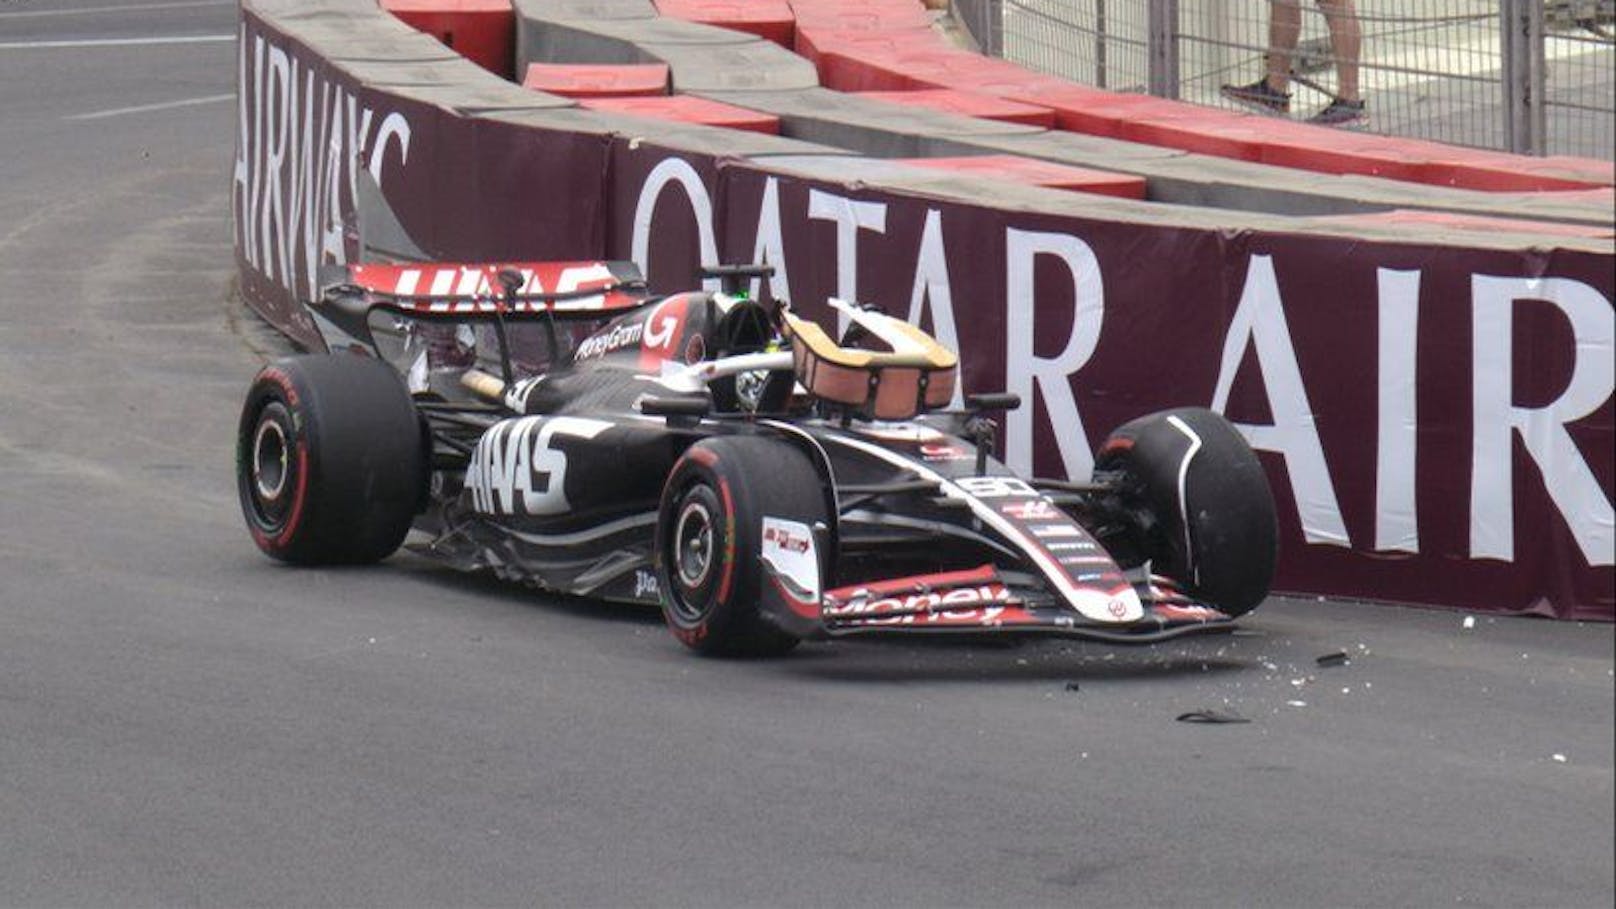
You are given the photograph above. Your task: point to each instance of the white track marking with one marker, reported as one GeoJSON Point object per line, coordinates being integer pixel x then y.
{"type": "Point", "coordinates": [134, 7]}
{"type": "Point", "coordinates": [117, 42]}
{"type": "Point", "coordinates": [145, 108]}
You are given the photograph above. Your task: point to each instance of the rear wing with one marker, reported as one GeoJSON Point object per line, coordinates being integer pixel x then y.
{"type": "Point", "coordinates": [503, 289]}
{"type": "Point", "coordinates": [502, 296]}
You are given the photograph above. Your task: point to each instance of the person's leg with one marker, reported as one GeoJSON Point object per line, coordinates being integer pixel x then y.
{"type": "Point", "coordinates": [1271, 93]}
{"type": "Point", "coordinates": [1284, 29]}
{"type": "Point", "coordinates": [1346, 41]}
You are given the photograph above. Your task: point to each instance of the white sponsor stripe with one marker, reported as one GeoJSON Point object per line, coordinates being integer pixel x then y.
{"type": "Point", "coordinates": [935, 528]}
{"type": "Point", "coordinates": [1052, 571]}
{"type": "Point", "coordinates": [407, 280]}
{"type": "Point", "coordinates": [442, 280]}
{"type": "Point", "coordinates": [148, 108]}
{"type": "Point", "coordinates": [117, 42]}
{"type": "Point", "coordinates": [1183, 502]}
{"type": "Point", "coordinates": [131, 8]}
{"type": "Point", "coordinates": [584, 536]}
{"type": "Point", "coordinates": [1054, 530]}
{"type": "Point", "coordinates": [471, 282]}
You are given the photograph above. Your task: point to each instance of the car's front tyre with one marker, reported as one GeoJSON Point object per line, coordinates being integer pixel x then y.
{"type": "Point", "coordinates": [1209, 520]}
{"type": "Point", "coordinates": [710, 534]}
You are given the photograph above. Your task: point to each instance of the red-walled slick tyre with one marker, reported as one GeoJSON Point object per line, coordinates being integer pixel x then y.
{"type": "Point", "coordinates": [709, 535]}
{"type": "Point", "coordinates": [330, 460]}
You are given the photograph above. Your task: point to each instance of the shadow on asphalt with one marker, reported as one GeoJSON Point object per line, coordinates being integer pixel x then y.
{"type": "Point", "coordinates": [871, 658]}
{"type": "Point", "coordinates": [484, 584]}
{"type": "Point", "coordinates": [977, 659]}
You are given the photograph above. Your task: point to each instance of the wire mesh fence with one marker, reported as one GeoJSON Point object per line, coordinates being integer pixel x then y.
{"type": "Point", "coordinates": [1528, 75]}
{"type": "Point", "coordinates": [1103, 43]}
{"type": "Point", "coordinates": [1580, 78]}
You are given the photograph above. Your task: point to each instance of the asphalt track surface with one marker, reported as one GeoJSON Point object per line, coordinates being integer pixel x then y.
{"type": "Point", "coordinates": [184, 722]}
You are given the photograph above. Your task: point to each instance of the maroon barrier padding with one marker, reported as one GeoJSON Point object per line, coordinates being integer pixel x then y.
{"type": "Point", "coordinates": [468, 189]}
{"type": "Point", "coordinates": [482, 31]}
{"type": "Point", "coordinates": [971, 104]}
{"type": "Point", "coordinates": [1169, 298]}
{"type": "Point", "coordinates": [597, 80]}
{"type": "Point", "coordinates": [1034, 172]}
{"type": "Point", "coordinates": [689, 109]}
{"type": "Point", "coordinates": [768, 19]}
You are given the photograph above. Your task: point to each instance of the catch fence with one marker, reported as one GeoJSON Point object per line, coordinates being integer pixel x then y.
{"type": "Point", "coordinates": [1532, 76]}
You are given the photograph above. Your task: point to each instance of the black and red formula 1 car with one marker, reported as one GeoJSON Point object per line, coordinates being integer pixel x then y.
{"type": "Point", "coordinates": [728, 461]}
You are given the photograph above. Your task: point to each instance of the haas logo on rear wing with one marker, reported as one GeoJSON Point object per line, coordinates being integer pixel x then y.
{"type": "Point", "coordinates": [455, 289]}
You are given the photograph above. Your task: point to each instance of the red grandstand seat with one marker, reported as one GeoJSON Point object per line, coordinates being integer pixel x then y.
{"type": "Point", "coordinates": [597, 80]}
{"type": "Point", "coordinates": [1039, 173]}
{"type": "Point", "coordinates": [1452, 221]}
{"type": "Point", "coordinates": [688, 109]}
{"type": "Point", "coordinates": [1337, 152]}
{"type": "Point", "coordinates": [971, 104]}
{"type": "Point", "coordinates": [860, 15]}
{"type": "Point", "coordinates": [1475, 168]}
{"type": "Point", "coordinates": [770, 19]}
{"type": "Point", "coordinates": [482, 31]}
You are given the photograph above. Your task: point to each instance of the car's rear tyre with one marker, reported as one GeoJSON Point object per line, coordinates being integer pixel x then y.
{"type": "Point", "coordinates": [1204, 515]}
{"type": "Point", "coordinates": [709, 534]}
{"type": "Point", "coordinates": [330, 460]}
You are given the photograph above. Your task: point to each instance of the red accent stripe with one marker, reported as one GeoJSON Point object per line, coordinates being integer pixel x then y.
{"type": "Point", "coordinates": [970, 577]}
{"type": "Point", "coordinates": [965, 617]}
{"type": "Point", "coordinates": [299, 497]}
{"type": "Point", "coordinates": [729, 540]}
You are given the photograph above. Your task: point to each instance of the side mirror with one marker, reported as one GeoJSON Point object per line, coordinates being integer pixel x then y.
{"type": "Point", "coordinates": [730, 277]}
{"type": "Point", "coordinates": [1000, 400]}
{"type": "Point", "coordinates": [679, 411]}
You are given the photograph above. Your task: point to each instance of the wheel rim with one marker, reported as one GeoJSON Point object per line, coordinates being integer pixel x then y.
{"type": "Point", "coordinates": [270, 471]}
{"type": "Point", "coordinates": [693, 545]}
{"type": "Point", "coordinates": [270, 459]}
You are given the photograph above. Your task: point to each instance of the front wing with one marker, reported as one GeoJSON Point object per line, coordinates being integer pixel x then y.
{"type": "Point", "coordinates": [987, 600]}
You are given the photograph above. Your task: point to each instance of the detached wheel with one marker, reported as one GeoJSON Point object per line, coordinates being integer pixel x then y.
{"type": "Point", "coordinates": [1204, 515]}
{"type": "Point", "coordinates": [709, 535]}
{"type": "Point", "coordinates": [330, 460]}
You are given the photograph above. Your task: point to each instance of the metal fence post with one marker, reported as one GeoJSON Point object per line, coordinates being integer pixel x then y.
{"type": "Point", "coordinates": [1536, 41]}
{"type": "Point", "coordinates": [983, 20]}
{"type": "Point", "coordinates": [1100, 61]}
{"type": "Point", "coordinates": [1162, 46]}
{"type": "Point", "coordinates": [1521, 39]}
{"type": "Point", "coordinates": [993, 11]}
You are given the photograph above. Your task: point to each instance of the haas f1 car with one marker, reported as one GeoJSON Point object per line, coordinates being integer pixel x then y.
{"type": "Point", "coordinates": [759, 479]}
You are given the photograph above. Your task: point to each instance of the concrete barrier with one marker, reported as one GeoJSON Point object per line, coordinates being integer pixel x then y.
{"type": "Point", "coordinates": [1433, 403]}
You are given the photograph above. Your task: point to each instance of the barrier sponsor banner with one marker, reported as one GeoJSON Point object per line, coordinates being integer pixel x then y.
{"type": "Point", "coordinates": [1437, 422]}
